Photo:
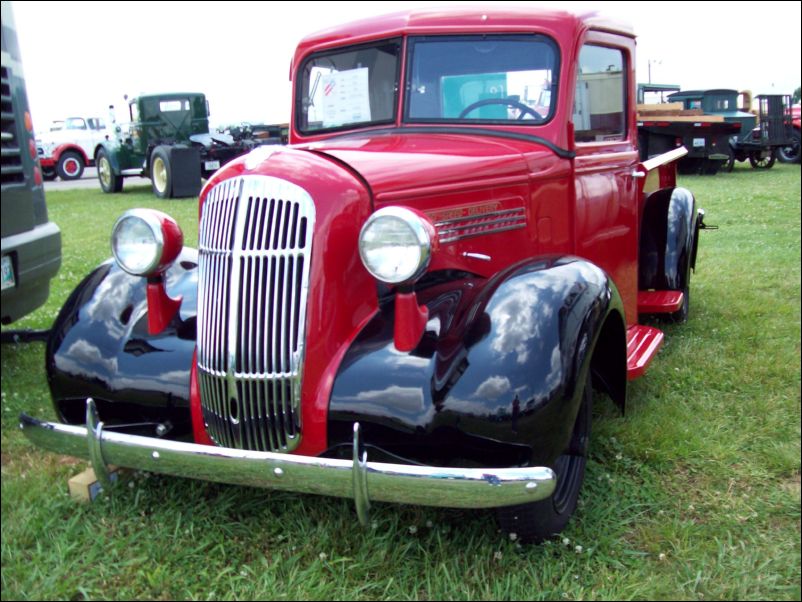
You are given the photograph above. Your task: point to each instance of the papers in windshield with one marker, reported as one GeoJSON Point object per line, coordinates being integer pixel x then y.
{"type": "Point", "coordinates": [346, 97]}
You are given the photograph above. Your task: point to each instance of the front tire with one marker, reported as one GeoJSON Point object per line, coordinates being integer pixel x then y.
{"type": "Point", "coordinates": [537, 521]}
{"type": "Point", "coordinates": [161, 176]}
{"type": "Point", "coordinates": [70, 166]}
{"type": "Point", "coordinates": [109, 181]}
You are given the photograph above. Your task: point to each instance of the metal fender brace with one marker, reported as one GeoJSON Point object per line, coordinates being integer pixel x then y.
{"type": "Point", "coordinates": [700, 225]}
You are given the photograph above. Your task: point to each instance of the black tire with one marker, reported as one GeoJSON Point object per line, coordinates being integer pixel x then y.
{"type": "Point", "coordinates": [790, 153]}
{"type": "Point", "coordinates": [109, 181]}
{"type": "Point", "coordinates": [535, 522]}
{"type": "Point", "coordinates": [70, 166]}
{"type": "Point", "coordinates": [681, 315]}
{"type": "Point", "coordinates": [757, 161]}
{"type": "Point", "coordinates": [49, 174]}
{"type": "Point", "coordinates": [161, 176]}
{"type": "Point", "coordinates": [729, 164]}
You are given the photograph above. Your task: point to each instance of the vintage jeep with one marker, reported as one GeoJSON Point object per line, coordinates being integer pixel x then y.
{"type": "Point", "coordinates": [413, 300]}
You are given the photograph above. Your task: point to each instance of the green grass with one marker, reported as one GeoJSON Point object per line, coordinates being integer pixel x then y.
{"type": "Point", "coordinates": [694, 494]}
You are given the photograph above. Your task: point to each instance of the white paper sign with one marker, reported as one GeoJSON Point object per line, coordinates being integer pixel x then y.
{"type": "Point", "coordinates": [346, 97]}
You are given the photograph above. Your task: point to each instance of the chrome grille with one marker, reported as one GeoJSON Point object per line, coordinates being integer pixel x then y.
{"type": "Point", "coordinates": [254, 244]}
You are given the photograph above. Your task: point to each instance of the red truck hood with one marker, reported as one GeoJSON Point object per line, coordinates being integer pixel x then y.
{"type": "Point", "coordinates": [402, 165]}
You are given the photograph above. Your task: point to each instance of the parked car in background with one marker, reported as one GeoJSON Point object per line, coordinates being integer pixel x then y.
{"type": "Point", "coordinates": [31, 244]}
{"type": "Point", "coordinates": [70, 146]}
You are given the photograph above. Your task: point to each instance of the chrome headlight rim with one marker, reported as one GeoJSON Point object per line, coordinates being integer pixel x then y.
{"type": "Point", "coordinates": [153, 223]}
{"type": "Point", "coordinates": [420, 229]}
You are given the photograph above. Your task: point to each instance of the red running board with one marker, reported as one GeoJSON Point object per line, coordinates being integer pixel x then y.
{"type": "Point", "coordinates": [643, 343]}
{"type": "Point", "coordinates": [659, 302]}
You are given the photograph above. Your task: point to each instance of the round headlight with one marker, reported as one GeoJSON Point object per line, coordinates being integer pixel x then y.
{"type": "Point", "coordinates": [145, 242]}
{"type": "Point", "coordinates": [395, 245]}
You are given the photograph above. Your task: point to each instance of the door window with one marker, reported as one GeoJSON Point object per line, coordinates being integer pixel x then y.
{"type": "Point", "coordinates": [600, 99]}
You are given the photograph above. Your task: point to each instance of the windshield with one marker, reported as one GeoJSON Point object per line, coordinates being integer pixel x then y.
{"type": "Point", "coordinates": [484, 79]}
{"type": "Point", "coordinates": [351, 87]}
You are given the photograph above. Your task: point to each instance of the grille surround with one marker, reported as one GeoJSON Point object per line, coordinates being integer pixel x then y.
{"type": "Point", "coordinates": [254, 252]}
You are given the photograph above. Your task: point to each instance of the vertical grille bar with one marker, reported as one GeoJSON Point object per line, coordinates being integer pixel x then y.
{"type": "Point", "coordinates": [254, 246]}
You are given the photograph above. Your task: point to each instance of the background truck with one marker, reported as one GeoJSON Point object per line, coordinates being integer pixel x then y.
{"type": "Point", "coordinates": [69, 146]}
{"type": "Point", "coordinates": [31, 244]}
{"type": "Point", "coordinates": [413, 301]}
{"type": "Point", "coordinates": [761, 134]}
{"type": "Point", "coordinates": [663, 126]}
{"type": "Point", "coordinates": [168, 140]}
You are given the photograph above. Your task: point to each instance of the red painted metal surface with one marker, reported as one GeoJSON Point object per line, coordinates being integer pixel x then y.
{"type": "Point", "coordinates": [494, 201]}
{"type": "Point", "coordinates": [63, 148]}
{"type": "Point", "coordinates": [161, 307]}
{"type": "Point", "coordinates": [410, 320]}
{"type": "Point", "coordinates": [199, 433]}
{"type": "Point", "coordinates": [659, 302]}
{"type": "Point", "coordinates": [643, 343]}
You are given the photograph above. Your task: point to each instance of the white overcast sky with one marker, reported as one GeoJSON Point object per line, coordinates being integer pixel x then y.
{"type": "Point", "coordinates": [79, 57]}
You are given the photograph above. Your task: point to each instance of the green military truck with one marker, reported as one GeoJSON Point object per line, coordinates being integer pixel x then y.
{"type": "Point", "coordinates": [168, 140]}
{"type": "Point", "coordinates": [31, 244]}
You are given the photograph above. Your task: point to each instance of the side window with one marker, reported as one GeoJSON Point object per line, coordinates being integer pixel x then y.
{"type": "Point", "coordinates": [600, 99]}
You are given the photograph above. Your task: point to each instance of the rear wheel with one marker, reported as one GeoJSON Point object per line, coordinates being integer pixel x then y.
{"type": "Point", "coordinates": [761, 160]}
{"type": "Point", "coordinates": [161, 173]}
{"type": "Point", "coordinates": [70, 166]}
{"type": "Point", "coordinates": [681, 315]}
{"type": "Point", "coordinates": [790, 153]}
{"type": "Point", "coordinates": [109, 181]}
{"type": "Point", "coordinates": [534, 522]}
{"type": "Point", "coordinates": [729, 164]}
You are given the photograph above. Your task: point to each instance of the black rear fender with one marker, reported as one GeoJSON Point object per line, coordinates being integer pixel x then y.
{"type": "Point", "coordinates": [667, 239]}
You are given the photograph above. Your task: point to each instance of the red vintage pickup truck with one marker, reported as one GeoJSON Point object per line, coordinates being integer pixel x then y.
{"type": "Point", "coordinates": [415, 299]}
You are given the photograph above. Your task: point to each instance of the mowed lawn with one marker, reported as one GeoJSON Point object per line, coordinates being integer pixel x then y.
{"type": "Point", "coordinates": [693, 494]}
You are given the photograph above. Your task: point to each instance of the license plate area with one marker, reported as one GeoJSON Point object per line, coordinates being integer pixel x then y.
{"type": "Point", "coordinates": [8, 273]}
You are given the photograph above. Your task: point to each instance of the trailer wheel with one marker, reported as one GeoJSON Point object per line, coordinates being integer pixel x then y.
{"type": "Point", "coordinates": [758, 161]}
{"type": "Point", "coordinates": [161, 173]}
{"type": "Point", "coordinates": [536, 521]}
{"type": "Point", "coordinates": [790, 153]}
{"type": "Point", "coordinates": [109, 181]}
{"type": "Point", "coordinates": [70, 166]}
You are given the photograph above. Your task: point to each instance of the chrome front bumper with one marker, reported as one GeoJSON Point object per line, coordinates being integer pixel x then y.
{"type": "Point", "coordinates": [358, 479]}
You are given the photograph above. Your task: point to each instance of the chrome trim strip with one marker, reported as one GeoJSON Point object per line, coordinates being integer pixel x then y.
{"type": "Point", "coordinates": [460, 228]}
{"type": "Point", "coordinates": [420, 485]}
{"type": "Point", "coordinates": [481, 233]}
{"type": "Point", "coordinates": [478, 216]}
{"type": "Point", "coordinates": [360, 472]}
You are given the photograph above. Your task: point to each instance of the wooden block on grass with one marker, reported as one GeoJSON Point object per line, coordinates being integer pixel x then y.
{"type": "Point", "coordinates": [85, 486]}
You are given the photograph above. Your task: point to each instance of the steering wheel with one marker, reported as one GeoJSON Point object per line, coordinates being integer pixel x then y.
{"type": "Point", "coordinates": [510, 102]}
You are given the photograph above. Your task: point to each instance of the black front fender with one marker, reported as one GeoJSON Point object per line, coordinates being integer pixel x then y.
{"type": "Point", "coordinates": [100, 347]}
{"type": "Point", "coordinates": [497, 377]}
